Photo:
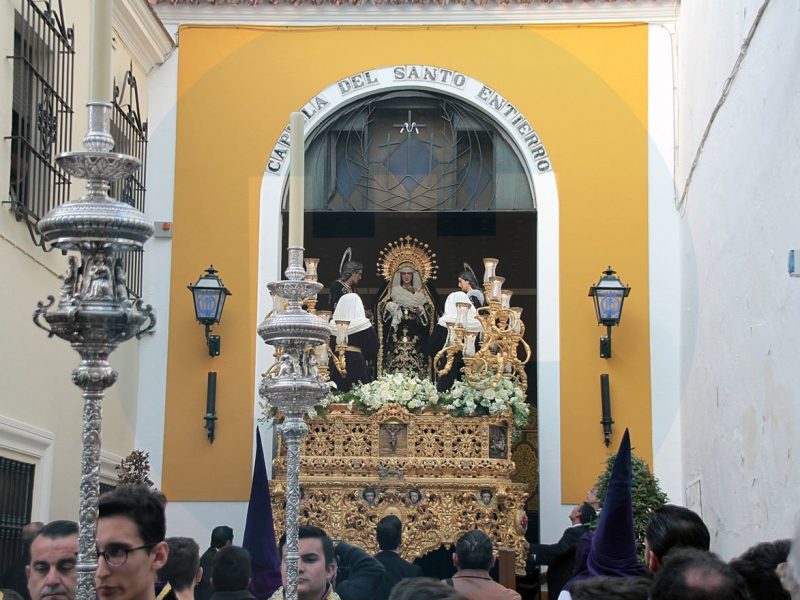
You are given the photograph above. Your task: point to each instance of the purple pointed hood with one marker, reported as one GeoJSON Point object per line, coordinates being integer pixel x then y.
{"type": "Point", "coordinates": [613, 551]}
{"type": "Point", "coordinates": [613, 544]}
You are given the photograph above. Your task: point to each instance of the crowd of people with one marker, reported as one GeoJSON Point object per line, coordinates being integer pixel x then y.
{"type": "Point", "coordinates": [137, 561]}
{"type": "Point", "coordinates": [603, 563]}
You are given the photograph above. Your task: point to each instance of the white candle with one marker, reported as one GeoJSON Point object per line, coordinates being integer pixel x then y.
{"type": "Point", "coordinates": [100, 52]}
{"type": "Point", "coordinates": [296, 192]}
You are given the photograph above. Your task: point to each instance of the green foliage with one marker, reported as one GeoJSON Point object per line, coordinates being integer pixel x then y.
{"type": "Point", "coordinates": [646, 495]}
{"type": "Point", "coordinates": [135, 468]}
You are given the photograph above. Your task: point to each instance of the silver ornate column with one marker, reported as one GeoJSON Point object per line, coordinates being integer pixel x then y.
{"type": "Point", "coordinates": [94, 312]}
{"type": "Point", "coordinates": [293, 385]}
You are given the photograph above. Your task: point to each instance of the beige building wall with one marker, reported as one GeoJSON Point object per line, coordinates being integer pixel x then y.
{"type": "Point", "coordinates": [40, 408]}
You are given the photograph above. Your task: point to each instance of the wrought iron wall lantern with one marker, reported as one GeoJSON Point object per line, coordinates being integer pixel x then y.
{"type": "Point", "coordinates": [609, 294]}
{"type": "Point", "coordinates": [209, 295]}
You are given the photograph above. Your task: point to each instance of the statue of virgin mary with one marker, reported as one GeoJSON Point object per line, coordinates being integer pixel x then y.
{"type": "Point", "coordinates": [406, 309]}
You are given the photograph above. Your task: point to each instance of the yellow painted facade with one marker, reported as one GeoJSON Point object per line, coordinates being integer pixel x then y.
{"type": "Point", "coordinates": [584, 89]}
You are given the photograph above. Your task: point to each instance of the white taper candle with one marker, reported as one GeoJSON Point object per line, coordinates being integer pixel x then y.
{"type": "Point", "coordinates": [100, 52]}
{"type": "Point", "coordinates": [296, 183]}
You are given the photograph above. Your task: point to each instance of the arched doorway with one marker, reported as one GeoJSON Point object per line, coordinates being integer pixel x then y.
{"type": "Point", "coordinates": [448, 165]}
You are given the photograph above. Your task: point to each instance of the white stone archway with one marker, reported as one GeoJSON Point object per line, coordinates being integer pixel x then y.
{"type": "Point", "coordinates": [533, 155]}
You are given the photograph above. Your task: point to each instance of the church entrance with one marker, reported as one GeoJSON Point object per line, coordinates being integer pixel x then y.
{"type": "Point", "coordinates": [429, 166]}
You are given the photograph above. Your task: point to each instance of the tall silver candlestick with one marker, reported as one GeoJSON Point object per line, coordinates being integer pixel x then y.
{"type": "Point", "coordinates": [94, 312]}
{"type": "Point", "coordinates": [293, 386]}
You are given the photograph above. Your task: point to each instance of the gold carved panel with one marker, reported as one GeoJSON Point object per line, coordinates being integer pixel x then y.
{"type": "Point", "coordinates": [441, 475]}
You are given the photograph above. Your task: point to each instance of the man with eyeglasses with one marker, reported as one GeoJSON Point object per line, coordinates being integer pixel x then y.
{"type": "Point", "coordinates": [131, 527]}
{"type": "Point", "coordinates": [54, 553]}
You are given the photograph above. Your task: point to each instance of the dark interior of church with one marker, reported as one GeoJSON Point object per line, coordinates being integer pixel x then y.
{"type": "Point", "coordinates": [454, 237]}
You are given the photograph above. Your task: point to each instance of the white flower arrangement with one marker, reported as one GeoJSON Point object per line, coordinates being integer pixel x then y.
{"type": "Point", "coordinates": [416, 394]}
{"type": "Point", "coordinates": [463, 400]}
{"type": "Point", "coordinates": [410, 392]}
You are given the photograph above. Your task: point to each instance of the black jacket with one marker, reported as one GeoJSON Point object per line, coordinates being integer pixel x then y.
{"type": "Point", "coordinates": [14, 577]}
{"type": "Point", "coordinates": [203, 590]}
{"type": "Point", "coordinates": [362, 573]}
{"type": "Point", "coordinates": [396, 569]}
{"type": "Point", "coordinates": [235, 595]}
{"type": "Point", "coordinates": [560, 558]}
{"type": "Point", "coordinates": [357, 363]}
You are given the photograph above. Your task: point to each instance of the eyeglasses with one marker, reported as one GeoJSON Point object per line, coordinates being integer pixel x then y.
{"type": "Point", "coordinates": [116, 555]}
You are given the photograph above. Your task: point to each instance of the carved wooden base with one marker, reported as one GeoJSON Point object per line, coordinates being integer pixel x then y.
{"type": "Point", "coordinates": [440, 475]}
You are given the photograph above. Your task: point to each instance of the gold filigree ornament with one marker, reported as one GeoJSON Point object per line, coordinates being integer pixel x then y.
{"type": "Point", "coordinates": [407, 251]}
{"type": "Point", "coordinates": [436, 472]}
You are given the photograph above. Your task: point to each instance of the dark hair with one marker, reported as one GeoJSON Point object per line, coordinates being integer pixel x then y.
{"type": "Point", "coordinates": [423, 587]}
{"type": "Point", "coordinates": [221, 535]}
{"type": "Point", "coordinates": [611, 588]}
{"type": "Point", "coordinates": [692, 574]}
{"type": "Point", "coordinates": [139, 503]}
{"type": "Point", "coordinates": [57, 529]}
{"type": "Point", "coordinates": [350, 267]}
{"type": "Point", "coordinates": [673, 526]}
{"type": "Point", "coordinates": [180, 569]}
{"type": "Point", "coordinates": [474, 550]}
{"type": "Point", "coordinates": [30, 531]}
{"type": "Point", "coordinates": [310, 531]}
{"type": "Point", "coordinates": [757, 567]}
{"type": "Point", "coordinates": [587, 513]}
{"type": "Point", "coordinates": [53, 530]}
{"type": "Point", "coordinates": [388, 532]}
{"type": "Point", "coordinates": [231, 570]}
{"type": "Point", "coordinates": [468, 276]}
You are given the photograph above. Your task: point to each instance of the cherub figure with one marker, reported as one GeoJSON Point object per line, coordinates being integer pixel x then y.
{"type": "Point", "coordinates": [369, 496]}
{"type": "Point", "coordinates": [120, 280]}
{"type": "Point", "coordinates": [414, 497]}
{"type": "Point", "coordinates": [69, 287]}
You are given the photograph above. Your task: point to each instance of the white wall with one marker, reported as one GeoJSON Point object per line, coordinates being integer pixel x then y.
{"type": "Point", "coordinates": [157, 261]}
{"type": "Point", "coordinates": [740, 318]}
{"type": "Point", "coordinates": [664, 262]}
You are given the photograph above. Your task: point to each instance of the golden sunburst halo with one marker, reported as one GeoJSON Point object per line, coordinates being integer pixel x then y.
{"type": "Point", "coordinates": [407, 251]}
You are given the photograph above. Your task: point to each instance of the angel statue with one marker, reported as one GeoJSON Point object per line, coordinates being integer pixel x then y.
{"type": "Point", "coordinates": [350, 272]}
{"type": "Point", "coordinates": [405, 311]}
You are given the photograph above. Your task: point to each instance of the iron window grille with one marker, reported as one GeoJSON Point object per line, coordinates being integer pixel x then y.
{"type": "Point", "coordinates": [106, 487]}
{"type": "Point", "coordinates": [41, 121]}
{"type": "Point", "coordinates": [16, 498]}
{"type": "Point", "coordinates": [130, 137]}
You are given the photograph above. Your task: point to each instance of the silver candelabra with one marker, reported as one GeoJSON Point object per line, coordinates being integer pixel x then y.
{"type": "Point", "coordinates": [293, 385]}
{"type": "Point", "coordinates": [94, 312]}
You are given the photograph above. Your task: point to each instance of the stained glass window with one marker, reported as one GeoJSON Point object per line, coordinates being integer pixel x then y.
{"type": "Point", "coordinates": [413, 151]}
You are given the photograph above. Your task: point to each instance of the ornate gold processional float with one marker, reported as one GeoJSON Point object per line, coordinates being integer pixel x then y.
{"type": "Point", "coordinates": [441, 462]}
